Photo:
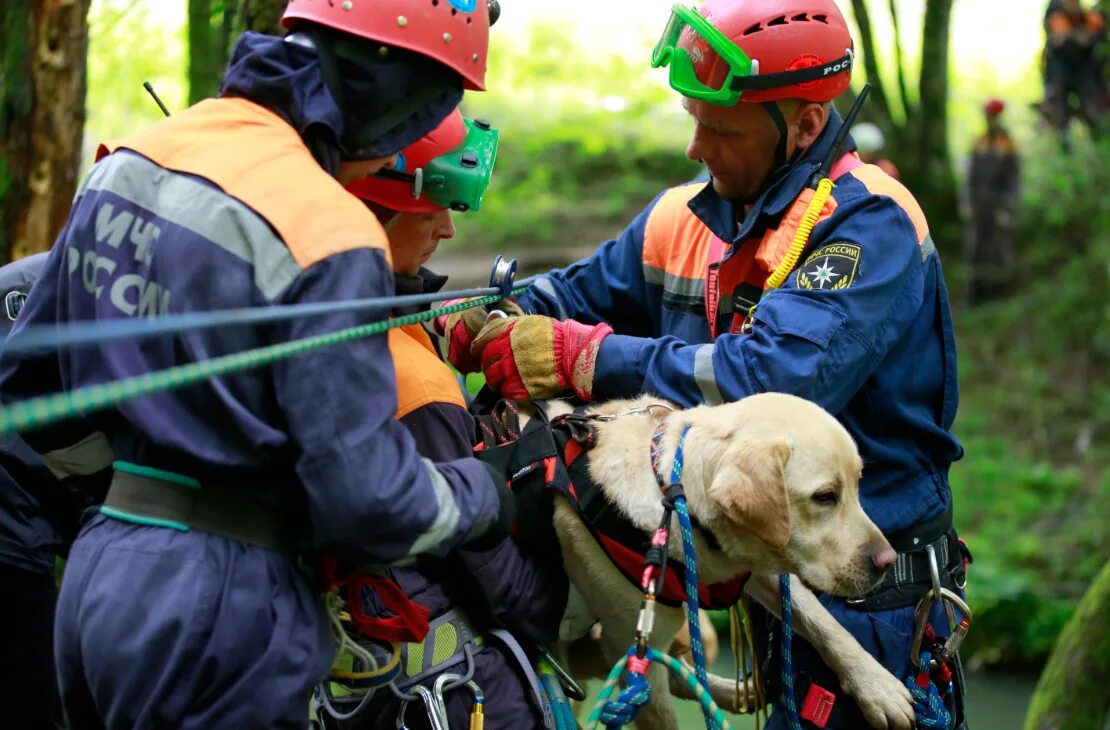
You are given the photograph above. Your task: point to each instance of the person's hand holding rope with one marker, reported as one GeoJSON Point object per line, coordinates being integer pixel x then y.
{"type": "Point", "coordinates": [460, 329]}
{"type": "Point", "coordinates": [535, 357]}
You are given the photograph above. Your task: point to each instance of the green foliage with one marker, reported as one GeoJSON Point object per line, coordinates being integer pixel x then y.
{"type": "Point", "coordinates": [586, 141]}
{"type": "Point", "coordinates": [1033, 491]}
{"type": "Point", "coordinates": [130, 43]}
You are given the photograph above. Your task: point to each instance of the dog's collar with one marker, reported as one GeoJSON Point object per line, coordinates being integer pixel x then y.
{"type": "Point", "coordinates": [657, 453]}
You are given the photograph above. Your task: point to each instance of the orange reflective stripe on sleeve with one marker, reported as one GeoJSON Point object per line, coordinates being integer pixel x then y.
{"type": "Point", "coordinates": [422, 378]}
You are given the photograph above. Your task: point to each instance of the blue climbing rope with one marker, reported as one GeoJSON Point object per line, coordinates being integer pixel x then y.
{"type": "Point", "coordinates": [690, 564]}
{"type": "Point", "coordinates": [623, 710]}
{"type": "Point", "coordinates": [927, 703]}
{"type": "Point", "coordinates": [788, 698]}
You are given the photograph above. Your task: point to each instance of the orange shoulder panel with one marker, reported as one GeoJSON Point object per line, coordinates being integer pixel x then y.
{"type": "Point", "coordinates": [253, 155]}
{"type": "Point", "coordinates": [422, 378]}
{"type": "Point", "coordinates": [674, 239]}
{"type": "Point", "coordinates": [878, 182]}
{"type": "Point", "coordinates": [776, 242]}
{"type": "Point", "coordinates": [1095, 22]}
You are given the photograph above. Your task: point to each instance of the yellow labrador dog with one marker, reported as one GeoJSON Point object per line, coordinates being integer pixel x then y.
{"type": "Point", "coordinates": [775, 479]}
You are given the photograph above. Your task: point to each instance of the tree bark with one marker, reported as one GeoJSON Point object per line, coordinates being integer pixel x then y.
{"type": "Point", "coordinates": [900, 64]}
{"type": "Point", "coordinates": [261, 16]}
{"type": "Point", "coordinates": [43, 50]}
{"type": "Point", "coordinates": [208, 47]}
{"type": "Point", "coordinates": [1071, 694]}
{"type": "Point", "coordinates": [880, 108]}
{"type": "Point", "coordinates": [932, 179]}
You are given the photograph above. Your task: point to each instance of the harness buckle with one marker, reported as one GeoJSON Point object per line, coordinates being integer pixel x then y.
{"type": "Point", "coordinates": [818, 705]}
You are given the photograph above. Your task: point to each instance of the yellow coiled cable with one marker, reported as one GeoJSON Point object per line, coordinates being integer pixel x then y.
{"type": "Point", "coordinates": [801, 238]}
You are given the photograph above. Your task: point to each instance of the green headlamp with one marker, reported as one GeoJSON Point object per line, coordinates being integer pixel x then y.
{"type": "Point", "coordinates": [458, 179]}
{"type": "Point", "coordinates": [685, 41]}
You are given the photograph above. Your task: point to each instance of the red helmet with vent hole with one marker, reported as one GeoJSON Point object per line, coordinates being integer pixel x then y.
{"type": "Point", "coordinates": [453, 32]}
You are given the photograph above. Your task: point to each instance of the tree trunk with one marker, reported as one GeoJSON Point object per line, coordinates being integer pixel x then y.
{"type": "Point", "coordinates": [261, 16]}
{"type": "Point", "coordinates": [208, 46]}
{"type": "Point", "coordinates": [1071, 694]}
{"type": "Point", "coordinates": [880, 108]}
{"type": "Point", "coordinates": [42, 117]}
{"type": "Point", "coordinates": [932, 179]}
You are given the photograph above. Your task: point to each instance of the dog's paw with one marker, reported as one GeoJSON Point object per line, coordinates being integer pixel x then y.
{"type": "Point", "coordinates": [885, 701]}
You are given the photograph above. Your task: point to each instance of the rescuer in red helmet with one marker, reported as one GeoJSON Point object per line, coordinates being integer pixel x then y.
{"type": "Point", "coordinates": [719, 291]}
{"type": "Point", "coordinates": [989, 207]}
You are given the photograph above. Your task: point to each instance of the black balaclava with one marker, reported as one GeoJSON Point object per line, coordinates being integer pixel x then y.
{"type": "Point", "coordinates": [396, 95]}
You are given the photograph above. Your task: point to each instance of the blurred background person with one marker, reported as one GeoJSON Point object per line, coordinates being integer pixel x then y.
{"type": "Point", "coordinates": [989, 207]}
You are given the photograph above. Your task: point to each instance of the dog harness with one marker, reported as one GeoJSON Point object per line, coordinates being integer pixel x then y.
{"type": "Point", "coordinates": [551, 456]}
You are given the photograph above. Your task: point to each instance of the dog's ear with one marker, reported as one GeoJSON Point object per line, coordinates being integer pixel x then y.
{"type": "Point", "coordinates": [750, 487]}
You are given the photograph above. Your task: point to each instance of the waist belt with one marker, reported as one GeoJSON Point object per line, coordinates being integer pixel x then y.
{"type": "Point", "coordinates": [146, 496]}
{"type": "Point", "coordinates": [909, 578]}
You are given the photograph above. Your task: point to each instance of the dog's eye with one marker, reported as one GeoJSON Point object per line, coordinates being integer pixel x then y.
{"type": "Point", "coordinates": [826, 499]}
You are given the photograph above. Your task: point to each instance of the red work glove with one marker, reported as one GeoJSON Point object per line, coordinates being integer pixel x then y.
{"type": "Point", "coordinates": [460, 328]}
{"type": "Point", "coordinates": [535, 357]}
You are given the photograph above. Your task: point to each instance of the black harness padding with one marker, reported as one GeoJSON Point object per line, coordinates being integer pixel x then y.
{"type": "Point", "coordinates": [552, 455]}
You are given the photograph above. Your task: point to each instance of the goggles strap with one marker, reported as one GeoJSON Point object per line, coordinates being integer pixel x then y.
{"type": "Point", "coordinates": [763, 82]}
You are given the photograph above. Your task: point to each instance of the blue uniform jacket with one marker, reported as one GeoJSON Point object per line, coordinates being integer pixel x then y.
{"type": "Point", "coordinates": [879, 353]}
{"type": "Point", "coordinates": [314, 433]}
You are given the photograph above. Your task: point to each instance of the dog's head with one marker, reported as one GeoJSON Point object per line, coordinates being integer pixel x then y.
{"type": "Point", "coordinates": [782, 493]}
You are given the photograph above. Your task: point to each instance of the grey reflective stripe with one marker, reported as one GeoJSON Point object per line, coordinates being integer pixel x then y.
{"type": "Point", "coordinates": [927, 246]}
{"type": "Point", "coordinates": [544, 284]}
{"type": "Point", "coordinates": [202, 209]}
{"type": "Point", "coordinates": [706, 379]}
{"type": "Point", "coordinates": [681, 285]}
{"type": "Point", "coordinates": [447, 514]}
{"type": "Point", "coordinates": [87, 456]}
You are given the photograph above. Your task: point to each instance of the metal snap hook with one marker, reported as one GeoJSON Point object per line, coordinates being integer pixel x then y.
{"type": "Point", "coordinates": [950, 601]}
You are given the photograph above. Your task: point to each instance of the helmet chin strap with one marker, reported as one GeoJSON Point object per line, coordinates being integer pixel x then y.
{"type": "Point", "coordinates": [781, 164]}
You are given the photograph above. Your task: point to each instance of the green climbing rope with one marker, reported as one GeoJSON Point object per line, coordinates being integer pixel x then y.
{"type": "Point", "coordinates": [48, 409]}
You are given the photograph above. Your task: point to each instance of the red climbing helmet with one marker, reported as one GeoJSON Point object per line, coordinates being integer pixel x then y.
{"type": "Point", "coordinates": [453, 32]}
{"type": "Point", "coordinates": [994, 107]}
{"type": "Point", "coordinates": [725, 51]}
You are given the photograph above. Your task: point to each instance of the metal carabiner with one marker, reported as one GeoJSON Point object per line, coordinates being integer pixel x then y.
{"type": "Point", "coordinates": [924, 608]}
{"type": "Point", "coordinates": [934, 576]}
{"type": "Point", "coordinates": [401, 715]}
{"type": "Point", "coordinates": [573, 690]}
{"type": "Point", "coordinates": [437, 715]}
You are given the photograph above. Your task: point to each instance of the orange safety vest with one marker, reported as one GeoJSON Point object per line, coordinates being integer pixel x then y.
{"type": "Point", "coordinates": [679, 244]}
{"type": "Point", "coordinates": [422, 378]}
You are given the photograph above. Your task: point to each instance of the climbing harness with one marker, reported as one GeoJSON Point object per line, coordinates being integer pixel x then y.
{"type": "Point", "coordinates": [552, 456]}
{"type": "Point", "coordinates": [45, 410]}
{"type": "Point", "coordinates": [637, 692]}
{"type": "Point", "coordinates": [812, 201]}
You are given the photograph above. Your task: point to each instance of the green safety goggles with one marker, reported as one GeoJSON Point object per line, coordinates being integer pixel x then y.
{"type": "Point", "coordinates": [689, 38]}
{"type": "Point", "coordinates": [686, 39]}
{"type": "Point", "coordinates": [457, 179]}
